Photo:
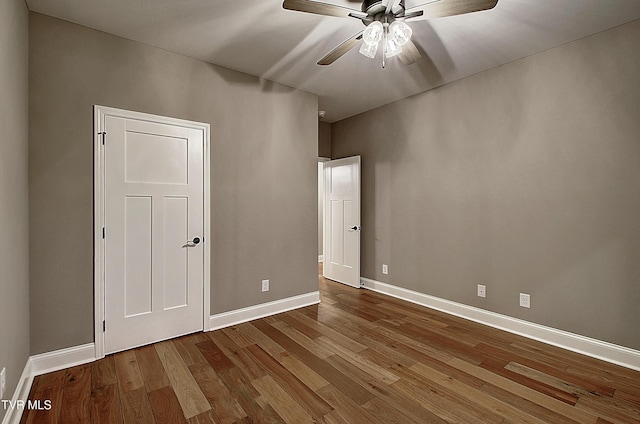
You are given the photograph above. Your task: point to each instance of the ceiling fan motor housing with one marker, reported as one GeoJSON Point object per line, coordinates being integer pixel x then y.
{"type": "Point", "coordinates": [374, 7]}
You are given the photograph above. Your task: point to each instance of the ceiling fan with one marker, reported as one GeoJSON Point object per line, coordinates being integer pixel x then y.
{"type": "Point", "coordinates": [385, 21]}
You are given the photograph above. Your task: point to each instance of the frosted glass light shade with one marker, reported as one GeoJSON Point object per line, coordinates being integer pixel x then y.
{"type": "Point", "coordinates": [373, 33]}
{"type": "Point", "coordinates": [392, 47]}
{"type": "Point", "coordinates": [401, 32]}
{"type": "Point", "coordinates": [369, 50]}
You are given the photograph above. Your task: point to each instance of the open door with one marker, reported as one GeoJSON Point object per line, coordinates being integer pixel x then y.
{"type": "Point", "coordinates": [151, 250]}
{"type": "Point", "coordinates": [342, 220]}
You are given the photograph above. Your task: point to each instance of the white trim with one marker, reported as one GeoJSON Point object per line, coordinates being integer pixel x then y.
{"type": "Point", "coordinates": [63, 358]}
{"type": "Point", "coordinates": [99, 113]}
{"type": "Point", "coordinates": [13, 416]}
{"type": "Point", "coordinates": [605, 351]}
{"type": "Point", "coordinates": [238, 316]}
{"type": "Point", "coordinates": [42, 364]}
{"type": "Point", "coordinates": [320, 258]}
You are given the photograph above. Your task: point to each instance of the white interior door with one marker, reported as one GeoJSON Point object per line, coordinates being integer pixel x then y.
{"type": "Point", "coordinates": [154, 231]}
{"type": "Point", "coordinates": [342, 220]}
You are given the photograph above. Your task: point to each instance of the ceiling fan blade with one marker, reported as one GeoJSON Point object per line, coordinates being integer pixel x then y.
{"type": "Point", "coordinates": [322, 9]}
{"type": "Point", "coordinates": [339, 51]}
{"type": "Point", "coordinates": [442, 8]}
{"type": "Point", "coordinates": [410, 53]}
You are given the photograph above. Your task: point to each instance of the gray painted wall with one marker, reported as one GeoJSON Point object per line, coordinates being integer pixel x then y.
{"type": "Point", "coordinates": [14, 206]}
{"type": "Point", "coordinates": [263, 171]}
{"type": "Point", "coordinates": [525, 178]}
{"type": "Point", "coordinates": [324, 140]}
{"type": "Point", "coordinates": [324, 151]}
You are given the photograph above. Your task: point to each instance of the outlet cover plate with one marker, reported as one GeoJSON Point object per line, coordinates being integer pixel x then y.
{"type": "Point", "coordinates": [525, 300]}
{"type": "Point", "coordinates": [265, 285]}
{"type": "Point", "coordinates": [385, 269]}
{"type": "Point", "coordinates": [482, 290]}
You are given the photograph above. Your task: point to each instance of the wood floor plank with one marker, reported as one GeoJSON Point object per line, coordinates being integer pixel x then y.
{"type": "Point", "coordinates": [136, 408]}
{"type": "Point", "coordinates": [225, 407]}
{"type": "Point", "coordinates": [246, 396]}
{"type": "Point", "coordinates": [188, 350]}
{"type": "Point", "coordinates": [153, 374]}
{"type": "Point", "coordinates": [259, 338]}
{"type": "Point", "coordinates": [327, 331]}
{"type": "Point", "coordinates": [105, 405]}
{"type": "Point", "coordinates": [237, 355]}
{"type": "Point", "coordinates": [609, 408]}
{"type": "Point", "coordinates": [473, 395]}
{"type": "Point", "coordinates": [208, 417]}
{"type": "Point", "coordinates": [587, 384]}
{"type": "Point", "coordinates": [362, 362]}
{"type": "Point", "coordinates": [498, 367]}
{"type": "Point", "coordinates": [214, 356]}
{"type": "Point", "coordinates": [76, 395]}
{"type": "Point", "coordinates": [281, 401]}
{"type": "Point", "coordinates": [385, 393]}
{"type": "Point", "coordinates": [165, 406]}
{"type": "Point", "coordinates": [303, 340]}
{"type": "Point", "coordinates": [236, 336]}
{"type": "Point", "coordinates": [103, 373]}
{"type": "Point", "coordinates": [292, 321]}
{"type": "Point", "coordinates": [128, 371]}
{"type": "Point", "coordinates": [47, 387]}
{"type": "Point", "coordinates": [347, 386]}
{"type": "Point", "coordinates": [307, 375]}
{"type": "Point", "coordinates": [302, 394]}
{"type": "Point", "coordinates": [191, 399]}
{"type": "Point", "coordinates": [346, 407]}
{"type": "Point", "coordinates": [525, 392]}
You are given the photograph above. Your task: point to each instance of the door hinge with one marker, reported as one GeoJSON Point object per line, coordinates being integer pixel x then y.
{"type": "Point", "coordinates": [104, 326]}
{"type": "Point", "coordinates": [103, 232]}
{"type": "Point", "coordinates": [104, 135]}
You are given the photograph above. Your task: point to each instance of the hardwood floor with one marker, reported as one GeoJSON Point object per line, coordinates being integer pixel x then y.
{"type": "Point", "coordinates": [358, 357]}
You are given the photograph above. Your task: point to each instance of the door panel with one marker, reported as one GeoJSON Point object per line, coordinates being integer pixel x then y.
{"type": "Point", "coordinates": [154, 202]}
{"type": "Point", "coordinates": [342, 220]}
{"type": "Point", "coordinates": [176, 232]}
{"type": "Point", "coordinates": [137, 256]}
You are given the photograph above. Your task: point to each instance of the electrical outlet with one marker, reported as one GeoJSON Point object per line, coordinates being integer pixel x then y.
{"type": "Point", "coordinates": [3, 382]}
{"type": "Point", "coordinates": [525, 300]}
{"type": "Point", "coordinates": [265, 285]}
{"type": "Point", "coordinates": [482, 290]}
{"type": "Point", "coordinates": [385, 269]}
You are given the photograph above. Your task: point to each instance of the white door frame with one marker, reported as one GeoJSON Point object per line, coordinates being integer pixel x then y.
{"type": "Point", "coordinates": [99, 114]}
{"type": "Point", "coordinates": [355, 160]}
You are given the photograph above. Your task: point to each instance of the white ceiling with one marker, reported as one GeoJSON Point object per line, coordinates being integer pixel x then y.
{"type": "Point", "coordinates": [260, 38]}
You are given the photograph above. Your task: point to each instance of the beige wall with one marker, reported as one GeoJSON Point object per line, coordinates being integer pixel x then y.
{"type": "Point", "coordinates": [324, 140]}
{"type": "Point", "coordinates": [263, 171]}
{"type": "Point", "coordinates": [324, 151]}
{"type": "Point", "coordinates": [525, 178]}
{"type": "Point", "coordinates": [14, 231]}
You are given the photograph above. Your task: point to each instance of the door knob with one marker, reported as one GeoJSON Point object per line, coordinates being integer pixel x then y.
{"type": "Point", "coordinates": [354, 228]}
{"type": "Point", "coordinates": [194, 242]}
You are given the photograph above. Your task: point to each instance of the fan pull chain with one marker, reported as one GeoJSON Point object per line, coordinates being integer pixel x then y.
{"type": "Point", "coordinates": [384, 44]}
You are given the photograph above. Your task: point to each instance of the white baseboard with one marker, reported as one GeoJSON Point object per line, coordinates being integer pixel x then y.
{"type": "Point", "coordinates": [227, 319]}
{"type": "Point", "coordinates": [320, 258]}
{"type": "Point", "coordinates": [42, 364]}
{"type": "Point", "coordinates": [13, 415]}
{"type": "Point", "coordinates": [63, 358]}
{"type": "Point", "coordinates": [605, 351]}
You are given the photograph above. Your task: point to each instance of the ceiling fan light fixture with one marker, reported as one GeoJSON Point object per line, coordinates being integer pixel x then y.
{"type": "Point", "coordinates": [373, 33]}
{"type": "Point", "coordinates": [392, 47]}
{"type": "Point", "coordinates": [369, 50]}
{"type": "Point", "coordinates": [401, 32]}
